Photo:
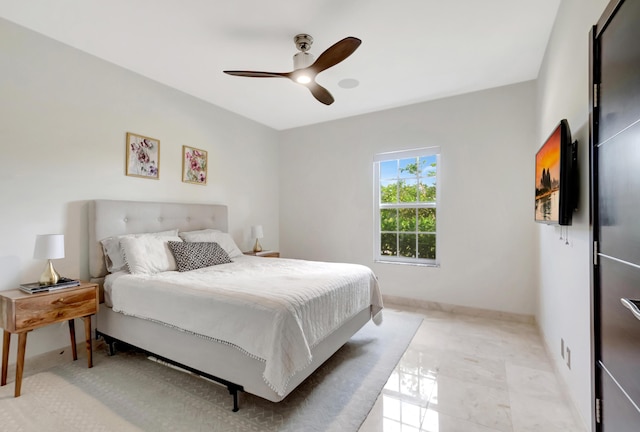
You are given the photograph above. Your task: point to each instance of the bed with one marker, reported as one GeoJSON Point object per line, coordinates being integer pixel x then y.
{"type": "Point", "coordinates": [258, 325]}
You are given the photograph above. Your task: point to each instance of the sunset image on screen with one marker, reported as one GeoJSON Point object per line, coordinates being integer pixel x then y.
{"type": "Point", "coordinates": [548, 165]}
{"type": "Point", "coordinates": [548, 179]}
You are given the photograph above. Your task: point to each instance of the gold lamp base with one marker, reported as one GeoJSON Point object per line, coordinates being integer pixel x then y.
{"type": "Point", "coordinates": [49, 276]}
{"type": "Point", "coordinates": [257, 247]}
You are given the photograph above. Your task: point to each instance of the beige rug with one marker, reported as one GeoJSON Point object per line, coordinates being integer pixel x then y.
{"type": "Point", "coordinates": [127, 392]}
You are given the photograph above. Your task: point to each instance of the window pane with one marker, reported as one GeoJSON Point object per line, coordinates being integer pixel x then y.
{"type": "Point", "coordinates": [388, 220]}
{"type": "Point", "coordinates": [407, 220]}
{"type": "Point", "coordinates": [427, 220]}
{"type": "Point", "coordinates": [427, 190]}
{"type": "Point", "coordinates": [407, 246]}
{"type": "Point", "coordinates": [388, 245]}
{"type": "Point", "coordinates": [427, 246]}
{"type": "Point", "coordinates": [408, 168]}
{"type": "Point", "coordinates": [388, 191]}
{"type": "Point", "coordinates": [428, 166]}
{"type": "Point", "coordinates": [389, 169]}
{"type": "Point", "coordinates": [408, 190]}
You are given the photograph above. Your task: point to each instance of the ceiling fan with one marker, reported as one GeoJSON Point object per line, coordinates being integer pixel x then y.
{"type": "Point", "coordinates": [305, 68]}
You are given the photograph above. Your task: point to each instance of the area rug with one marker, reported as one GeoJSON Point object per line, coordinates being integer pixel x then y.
{"type": "Point", "coordinates": [128, 392]}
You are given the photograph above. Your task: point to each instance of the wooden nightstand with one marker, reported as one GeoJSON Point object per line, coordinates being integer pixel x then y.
{"type": "Point", "coordinates": [21, 312]}
{"type": "Point", "coordinates": [264, 254]}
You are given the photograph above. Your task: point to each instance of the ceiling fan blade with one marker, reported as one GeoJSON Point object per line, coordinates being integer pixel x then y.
{"type": "Point", "coordinates": [335, 54]}
{"type": "Point", "coordinates": [320, 93]}
{"type": "Point", "coordinates": [255, 74]}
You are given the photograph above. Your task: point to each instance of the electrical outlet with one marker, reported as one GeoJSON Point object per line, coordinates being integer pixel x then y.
{"type": "Point", "coordinates": [568, 358]}
{"type": "Point", "coordinates": [561, 347]}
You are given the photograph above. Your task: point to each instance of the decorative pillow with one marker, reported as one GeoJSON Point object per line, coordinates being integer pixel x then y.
{"type": "Point", "coordinates": [215, 236]}
{"type": "Point", "coordinates": [113, 258]}
{"type": "Point", "coordinates": [195, 255]}
{"type": "Point", "coordinates": [148, 254]}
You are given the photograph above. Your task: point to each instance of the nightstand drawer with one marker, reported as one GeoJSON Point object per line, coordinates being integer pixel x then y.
{"type": "Point", "coordinates": [42, 309]}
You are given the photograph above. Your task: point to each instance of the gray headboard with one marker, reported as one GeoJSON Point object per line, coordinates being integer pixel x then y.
{"type": "Point", "coordinates": [113, 217]}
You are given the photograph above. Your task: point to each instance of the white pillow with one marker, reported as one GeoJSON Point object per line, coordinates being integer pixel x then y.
{"type": "Point", "coordinates": [148, 254]}
{"type": "Point", "coordinates": [210, 235]}
{"type": "Point", "coordinates": [198, 232]}
{"type": "Point", "coordinates": [113, 258]}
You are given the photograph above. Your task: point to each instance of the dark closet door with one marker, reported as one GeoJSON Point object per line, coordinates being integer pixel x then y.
{"type": "Point", "coordinates": [616, 216]}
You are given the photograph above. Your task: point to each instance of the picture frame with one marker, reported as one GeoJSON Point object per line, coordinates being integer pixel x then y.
{"type": "Point", "coordinates": [194, 165]}
{"type": "Point", "coordinates": [143, 156]}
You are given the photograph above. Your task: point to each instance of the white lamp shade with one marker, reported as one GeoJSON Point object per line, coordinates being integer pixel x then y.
{"type": "Point", "coordinates": [49, 246]}
{"type": "Point", "coordinates": [256, 231]}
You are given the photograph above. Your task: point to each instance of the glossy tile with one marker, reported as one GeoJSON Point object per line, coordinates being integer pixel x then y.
{"type": "Point", "coordinates": [391, 413]}
{"type": "Point", "coordinates": [434, 421]}
{"type": "Point", "coordinates": [483, 371]}
{"type": "Point", "coordinates": [532, 414]}
{"type": "Point", "coordinates": [533, 382]}
{"type": "Point", "coordinates": [483, 405]}
{"type": "Point", "coordinates": [466, 373]}
{"type": "Point", "coordinates": [533, 392]}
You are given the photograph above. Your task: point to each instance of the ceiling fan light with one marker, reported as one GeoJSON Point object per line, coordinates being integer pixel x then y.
{"type": "Point", "coordinates": [303, 79]}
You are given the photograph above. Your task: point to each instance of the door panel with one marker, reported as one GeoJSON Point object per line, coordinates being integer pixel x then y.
{"type": "Point", "coordinates": [620, 55]}
{"type": "Point", "coordinates": [619, 412]}
{"type": "Point", "coordinates": [619, 181]}
{"type": "Point", "coordinates": [620, 335]}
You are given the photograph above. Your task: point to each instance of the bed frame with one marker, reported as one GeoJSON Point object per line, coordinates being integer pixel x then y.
{"type": "Point", "coordinates": [219, 362]}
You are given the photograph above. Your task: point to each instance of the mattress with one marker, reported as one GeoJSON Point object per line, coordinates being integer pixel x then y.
{"type": "Point", "coordinates": [274, 310]}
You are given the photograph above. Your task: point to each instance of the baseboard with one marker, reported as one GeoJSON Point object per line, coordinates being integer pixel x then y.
{"type": "Point", "coordinates": [461, 310]}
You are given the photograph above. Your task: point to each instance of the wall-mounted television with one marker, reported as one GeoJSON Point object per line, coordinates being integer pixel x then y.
{"type": "Point", "coordinates": [557, 177]}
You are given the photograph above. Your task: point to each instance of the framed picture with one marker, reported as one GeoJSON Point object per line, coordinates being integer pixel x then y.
{"type": "Point", "coordinates": [143, 156]}
{"type": "Point", "coordinates": [194, 165]}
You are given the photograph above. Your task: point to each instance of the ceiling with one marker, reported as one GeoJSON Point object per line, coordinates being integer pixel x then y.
{"type": "Point", "coordinates": [412, 50]}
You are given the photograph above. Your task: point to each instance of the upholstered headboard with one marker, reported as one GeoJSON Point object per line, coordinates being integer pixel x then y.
{"type": "Point", "coordinates": [112, 218]}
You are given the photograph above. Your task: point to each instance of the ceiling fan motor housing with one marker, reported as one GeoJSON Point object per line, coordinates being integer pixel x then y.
{"type": "Point", "coordinates": [302, 60]}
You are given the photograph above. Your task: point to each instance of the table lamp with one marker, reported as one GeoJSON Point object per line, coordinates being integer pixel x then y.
{"type": "Point", "coordinates": [256, 232]}
{"type": "Point", "coordinates": [49, 246]}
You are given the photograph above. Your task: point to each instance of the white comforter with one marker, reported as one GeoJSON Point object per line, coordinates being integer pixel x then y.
{"type": "Point", "coordinates": [275, 310]}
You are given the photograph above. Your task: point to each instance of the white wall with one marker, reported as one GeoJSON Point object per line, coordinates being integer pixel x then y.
{"type": "Point", "coordinates": [63, 120]}
{"type": "Point", "coordinates": [564, 292]}
{"type": "Point", "coordinates": [487, 244]}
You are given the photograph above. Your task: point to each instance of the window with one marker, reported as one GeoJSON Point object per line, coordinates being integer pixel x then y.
{"type": "Point", "coordinates": [406, 197]}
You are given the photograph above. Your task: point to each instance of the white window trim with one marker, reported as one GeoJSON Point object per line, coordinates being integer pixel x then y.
{"type": "Point", "coordinates": [403, 154]}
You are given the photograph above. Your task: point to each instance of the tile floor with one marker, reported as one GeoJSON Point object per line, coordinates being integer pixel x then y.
{"type": "Point", "coordinates": [470, 374]}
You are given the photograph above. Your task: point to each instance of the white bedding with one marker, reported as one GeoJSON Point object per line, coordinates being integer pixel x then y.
{"type": "Point", "coordinates": [272, 309]}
